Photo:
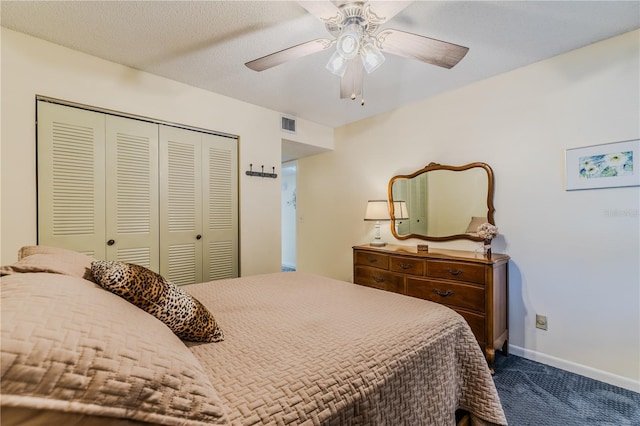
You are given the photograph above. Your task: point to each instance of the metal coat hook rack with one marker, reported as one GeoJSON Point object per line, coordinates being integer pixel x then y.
{"type": "Point", "coordinates": [250, 172]}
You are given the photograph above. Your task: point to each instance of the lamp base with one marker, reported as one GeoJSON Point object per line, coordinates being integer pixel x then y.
{"type": "Point", "coordinates": [377, 243]}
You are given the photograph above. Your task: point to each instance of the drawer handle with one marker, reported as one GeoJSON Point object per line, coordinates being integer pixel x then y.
{"type": "Point", "coordinates": [405, 265]}
{"type": "Point", "coordinates": [372, 259]}
{"type": "Point", "coordinates": [452, 272]}
{"type": "Point", "coordinates": [378, 279]}
{"type": "Point", "coordinates": [443, 293]}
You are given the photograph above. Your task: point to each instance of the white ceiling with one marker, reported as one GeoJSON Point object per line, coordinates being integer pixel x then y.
{"type": "Point", "coordinates": [206, 43]}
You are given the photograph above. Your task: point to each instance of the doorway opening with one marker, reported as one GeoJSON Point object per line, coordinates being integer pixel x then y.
{"type": "Point", "coordinates": [288, 208]}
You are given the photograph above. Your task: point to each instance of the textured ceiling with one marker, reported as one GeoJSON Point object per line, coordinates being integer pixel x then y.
{"type": "Point", "coordinates": [206, 43]}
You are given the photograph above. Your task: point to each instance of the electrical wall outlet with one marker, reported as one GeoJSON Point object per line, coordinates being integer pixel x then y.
{"type": "Point", "coordinates": [541, 322]}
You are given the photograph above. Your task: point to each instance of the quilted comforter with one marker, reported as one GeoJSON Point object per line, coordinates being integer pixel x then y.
{"type": "Point", "coordinates": [304, 349]}
{"type": "Point", "coordinates": [300, 349]}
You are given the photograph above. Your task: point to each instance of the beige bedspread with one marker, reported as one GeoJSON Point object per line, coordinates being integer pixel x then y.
{"type": "Point", "coordinates": [303, 349]}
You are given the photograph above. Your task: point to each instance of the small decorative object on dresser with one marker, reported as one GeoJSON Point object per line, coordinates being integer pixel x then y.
{"type": "Point", "coordinates": [488, 232]}
{"type": "Point", "coordinates": [474, 285]}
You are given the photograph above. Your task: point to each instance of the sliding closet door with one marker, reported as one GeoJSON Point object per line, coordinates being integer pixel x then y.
{"type": "Point", "coordinates": [71, 178]}
{"type": "Point", "coordinates": [220, 202]}
{"type": "Point", "coordinates": [132, 186]}
{"type": "Point", "coordinates": [180, 205]}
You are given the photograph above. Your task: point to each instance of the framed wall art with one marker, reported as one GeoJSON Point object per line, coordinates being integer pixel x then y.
{"type": "Point", "coordinates": [607, 165]}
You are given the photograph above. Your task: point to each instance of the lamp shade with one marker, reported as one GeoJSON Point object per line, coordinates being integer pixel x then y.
{"type": "Point", "coordinates": [400, 210]}
{"type": "Point", "coordinates": [377, 210]}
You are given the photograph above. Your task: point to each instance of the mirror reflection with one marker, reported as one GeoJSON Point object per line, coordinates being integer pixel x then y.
{"type": "Point", "coordinates": [443, 202]}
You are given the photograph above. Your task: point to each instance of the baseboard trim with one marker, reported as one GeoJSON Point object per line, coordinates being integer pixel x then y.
{"type": "Point", "coordinates": [583, 370]}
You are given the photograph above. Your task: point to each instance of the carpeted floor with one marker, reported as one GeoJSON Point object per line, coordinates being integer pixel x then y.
{"type": "Point", "coordinates": [535, 394]}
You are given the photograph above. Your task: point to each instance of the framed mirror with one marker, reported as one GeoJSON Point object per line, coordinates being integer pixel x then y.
{"type": "Point", "coordinates": [443, 203]}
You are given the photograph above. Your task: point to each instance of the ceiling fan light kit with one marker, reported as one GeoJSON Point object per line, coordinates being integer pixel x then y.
{"type": "Point", "coordinates": [372, 58]}
{"type": "Point", "coordinates": [354, 25]}
{"type": "Point", "coordinates": [337, 64]}
{"type": "Point", "coordinates": [348, 43]}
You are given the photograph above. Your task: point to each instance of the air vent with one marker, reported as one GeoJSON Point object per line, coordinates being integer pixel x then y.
{"type": "Point", "coordinates": [288, 124]}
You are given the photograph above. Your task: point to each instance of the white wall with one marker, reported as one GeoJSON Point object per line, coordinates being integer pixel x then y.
{"type": "Point", "coordinates": [33, 67]}
{"type": "Point", "coordinates": [575, 255]}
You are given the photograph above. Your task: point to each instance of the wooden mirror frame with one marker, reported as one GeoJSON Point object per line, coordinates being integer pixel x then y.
{"type": "Point", "coordinates": [432, 167]}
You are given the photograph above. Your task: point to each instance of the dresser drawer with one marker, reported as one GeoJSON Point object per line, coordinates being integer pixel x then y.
{"type": "Point", "coordinates": [448, 293]}
{"type": "Point", "coordinates": [406, 265]}
{"type": "Point", "coordinates": [476, 322]}
{"type": "Point", "coordinates": [372, 259]}
{"type": "Point", "coordinates": [383, 280]}
{"type": "Point", "coordinates": [455, 271]}
{"type": "Point", "coordinates": [461, 280]}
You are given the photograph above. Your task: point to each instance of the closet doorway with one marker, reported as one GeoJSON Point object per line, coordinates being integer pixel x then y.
{"type": "Point", "coordinates": [137, 190]}
{"type": "Point", "coordinates": [288, 209]}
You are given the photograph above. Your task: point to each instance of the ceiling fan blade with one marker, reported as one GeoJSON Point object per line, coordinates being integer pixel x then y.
{"type": "Point", "coordinates": [422, 48]}
{"type": "Point", "coordinates": [351, 82]}
{"type": "Point", "coordinates": [324, 10]}
{"type": "Point", "coordinates": [289, 54]}
{"type": "Point", "coordinates": [382, 11]}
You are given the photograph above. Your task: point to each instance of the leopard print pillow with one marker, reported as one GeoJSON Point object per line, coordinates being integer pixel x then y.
{"type": "Point", "coordinates": [181, 312]}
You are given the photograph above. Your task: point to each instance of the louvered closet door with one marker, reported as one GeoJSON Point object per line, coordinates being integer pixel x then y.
{"type": "Point", "coordinates": [180, 205]}
{"type": "Point", "coordinates": [132, 204]}
{"type": "Point", "coordinates": [220, 203]}
{"type": "Point", "coordinates": [71, 174]}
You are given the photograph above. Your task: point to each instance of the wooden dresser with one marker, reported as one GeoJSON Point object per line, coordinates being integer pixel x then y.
{"type": "Point", "coordinates": [473, 284]}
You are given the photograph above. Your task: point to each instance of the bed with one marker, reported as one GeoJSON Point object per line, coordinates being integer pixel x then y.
{"type": "Point", "coordinates": [296, 349]}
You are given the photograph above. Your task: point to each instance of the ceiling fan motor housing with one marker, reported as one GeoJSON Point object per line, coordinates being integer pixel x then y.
{"type": "Point", "coordinates": [350, 13]}
{"type": "Point", "coordinates": [353, 27]}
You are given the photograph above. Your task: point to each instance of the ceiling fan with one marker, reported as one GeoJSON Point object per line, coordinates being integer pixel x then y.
{"type": "Point", "coordinates": [353, 24]}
